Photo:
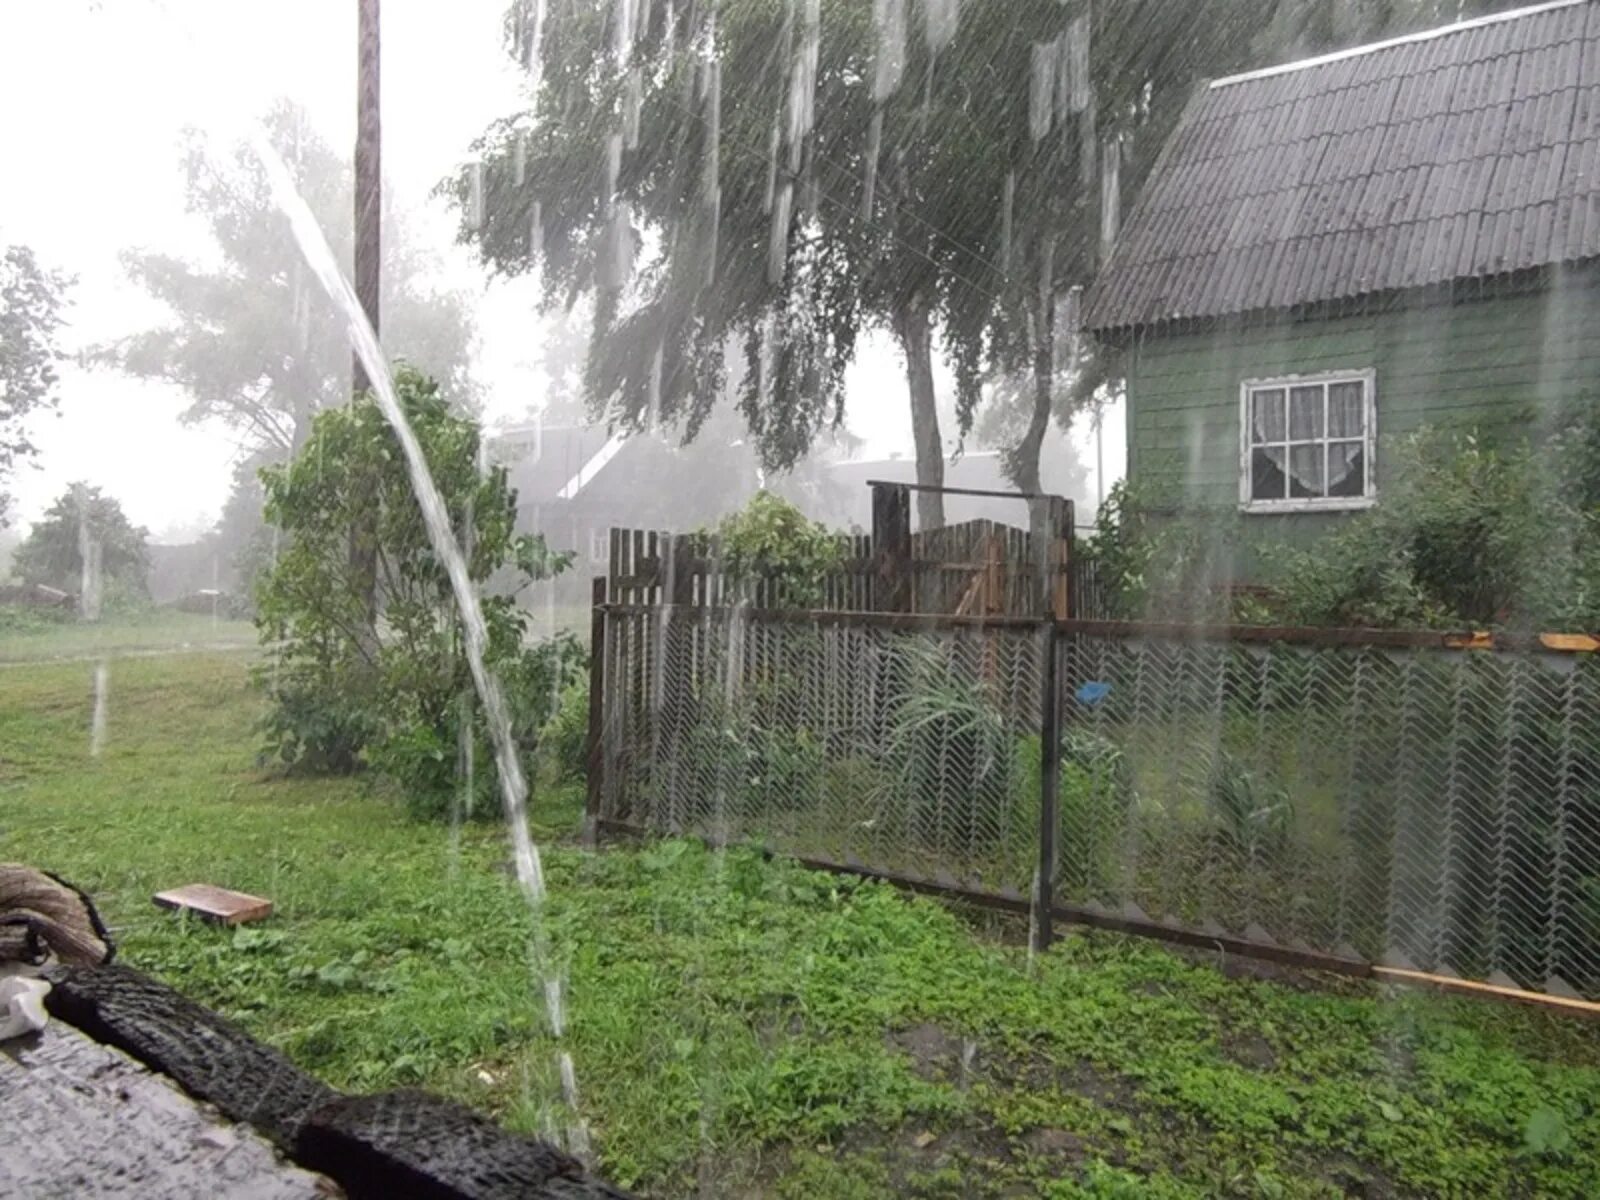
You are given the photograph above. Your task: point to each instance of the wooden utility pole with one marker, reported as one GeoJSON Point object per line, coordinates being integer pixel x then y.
{"type": "Point", "coordinates": [369, 174]}
{"type": "Point", "coordinates": [368, 276]}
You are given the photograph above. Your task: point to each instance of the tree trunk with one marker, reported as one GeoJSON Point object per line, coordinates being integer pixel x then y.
{"type": "Point", "coordinates": [913, 327]}
{"type": "Point", "coordinates": [1025, 471]}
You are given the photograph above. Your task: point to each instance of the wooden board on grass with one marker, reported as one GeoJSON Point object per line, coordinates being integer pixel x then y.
{"type": "Point", "coordinates": [216, 904]}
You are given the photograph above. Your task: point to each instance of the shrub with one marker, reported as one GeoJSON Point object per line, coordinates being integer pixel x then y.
{"type": "Point", "coordinates": [1156, 563]}
{"type": "Point", "coordinates": [366, 662]}
{"type": "Point", "coordinates": [565, 740]}
{"type": "Point", "coordinates": [1469, 532]}
{"type": "Point", "coordinates": [948, 754]}
{"type": "Point", "coordinates": [770, 541]}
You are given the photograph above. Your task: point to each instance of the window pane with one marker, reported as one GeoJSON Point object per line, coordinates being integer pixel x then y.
{"type": "Point", "coordinates": [1266, 472]}
{"type": "Point", "coordinates": [1305, 472]}
{"type": "Point", "coordinates": [1346, 410]}
{"type": "Point", "coordinates": [1266, 420]}
{"type": "Point", "coordinates": [1347, 468]}
{"type": "Point", "coordinates": [1305, 413]}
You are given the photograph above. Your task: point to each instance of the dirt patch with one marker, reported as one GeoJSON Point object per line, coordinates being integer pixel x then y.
{"type": "Point", "coordinates": [1251, 1050]}
{"type": "Point", "coordinates": [1107, 1091]}
{"type": "Point", "coordinates": [1056, 1143]}
{"type": "Point", "coordinates": [1353, 1178]}
{"type": "Point", "coordinates": [936, 1054]}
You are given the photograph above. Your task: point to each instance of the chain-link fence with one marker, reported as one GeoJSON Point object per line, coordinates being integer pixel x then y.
{"type": "Point", "coordinates": [899, 744]}
{"type": "Point", "coordinates": [1419, 807]}
{"type": "Point", "coordinates": [1424, 808]}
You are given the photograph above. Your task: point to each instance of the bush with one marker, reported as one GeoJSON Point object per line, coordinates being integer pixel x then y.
{"type": "Point", "coordinates": [565, 740]}
{"type": "Point", "coordinates": [771, 542]}
{"type": "Point", "coordinates": [948, 753]}
{"type": "Point", "coordinates": [1468, 533]}
{"type": "Point", "coordinates": [1163, 564]}
{"type": "Point", "coordinates": [366, 661]}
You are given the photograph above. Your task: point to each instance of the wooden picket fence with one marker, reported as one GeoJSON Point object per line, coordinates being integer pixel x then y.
{"type": "Point", "coordinates": [975, 569]}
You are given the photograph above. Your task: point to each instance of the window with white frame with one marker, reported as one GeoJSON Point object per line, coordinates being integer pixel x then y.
{"type": "Point", "coordinates": [1308, 442]}
{"type": "Point", "coordinates": [599, 545]}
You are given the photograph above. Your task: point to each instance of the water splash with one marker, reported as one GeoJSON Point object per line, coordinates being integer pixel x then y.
{"type": "Point", "coordinates": [89, 556]}
{"type": "Point", "coordinates": [102, 701]}
{"type": "Point", "coordinates": [632, 107]}
{"type": "Point", "coordinates": [618, 250]}
{"type": "Point", "coordinates": [1075, 81]}
{"type": "Point", "coordinates": [475, 195]}
{"type": "Point", "coordinates": [774, 141]}
{"type": "Point", "coordinates": [869, 186]}
{"type": "Point", "coordinates": [889, 63]}
{"type": "Point", "coordinates": [624, 13]}
{"type": "Point", "coordinates": [653, 408]}
{"type": "Point", "coordinates": [941, 19]}
{"type": "Point", "coordinates": [1110, 195]}
{"type": "Point", "coordinates": [713, 169]}
{"type": "Point", "coordinates": [778, 249]}
{"type": "Point", "coordinates": [1042, 88]}
{"type": "Point", "coordinates": [803, 83]}
{"type": "Point", "coordinates": [526, 858]}
{"type": "Point", "coordinates": [1008, 207]}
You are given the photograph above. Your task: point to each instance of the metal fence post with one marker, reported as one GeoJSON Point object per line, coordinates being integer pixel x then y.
{"type": "Point", "coordinates": [595, 750]}
{"type": "Point", "coordinates": [1044, 880]}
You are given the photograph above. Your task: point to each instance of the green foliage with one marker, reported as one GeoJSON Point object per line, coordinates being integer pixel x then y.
{"type": "Point", "coordinates": [51, 554]}
{"type": "Point", "coordinates": [253, 340]}
{"type": "Point", "coordinates": [390, 685]}
{"type": "Point", "coordinates": [31, 298]}
{"type": "Point", "coordinates": [1156, 563]}
{"type": "Point", "coordinates": [771, 543]}
{"type": "Point", "coordinates": [942, 728]}
{"type": "Point", "coordinates": [737, 1025]}
{"type": "Point", "coordinates": [1252, 814]}
{"type": "Point", "coordinates": [1470, 532]}
{"type": "Point", "coordinates": [565, 741]}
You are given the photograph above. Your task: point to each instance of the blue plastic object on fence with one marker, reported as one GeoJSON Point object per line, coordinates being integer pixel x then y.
{"type": "Point", "coordinates": [1092, 693]}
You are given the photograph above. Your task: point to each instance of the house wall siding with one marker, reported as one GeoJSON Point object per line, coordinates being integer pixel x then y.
{"type": "Point", "coordinates": [1497, 362]}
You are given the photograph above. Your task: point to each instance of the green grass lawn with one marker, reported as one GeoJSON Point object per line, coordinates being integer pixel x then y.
{"type": "Point", "coordinates": [29, 636]}
{"type": "Point", "coordinates": [744, 1028]}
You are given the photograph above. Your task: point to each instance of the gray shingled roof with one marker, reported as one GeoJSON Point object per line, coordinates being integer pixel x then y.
{"type": "Point", "coordinates": [1463, 153]}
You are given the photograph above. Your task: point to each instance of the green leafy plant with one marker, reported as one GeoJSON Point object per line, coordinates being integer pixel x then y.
{"type": "Point", "coordinates": [366, 661]}
{"type": "Point", "coordinates": [52, 555]}
{"type": "Point", "coordinates": [947, 749]}
{"type": "Point", "coordinates": [782, 558]}
{"type": "Point", "coordinates": [1155, 562]}
{"type": "Point", "coordinates": [1472, 531]}
{"type": "Point", "coordinates": [1252, 815]}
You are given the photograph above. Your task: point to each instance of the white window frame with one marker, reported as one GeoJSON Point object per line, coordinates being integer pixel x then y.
{"type": "Point", "coordinates": [1368, 378]}
{"type": "Point", "coordinates": [599, 545]}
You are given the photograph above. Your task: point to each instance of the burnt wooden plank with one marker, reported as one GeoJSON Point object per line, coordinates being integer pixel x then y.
{"type": "Point", "coordinates": [210, 1057]}
{"type": "Point", "coordinates": [86, 1120]}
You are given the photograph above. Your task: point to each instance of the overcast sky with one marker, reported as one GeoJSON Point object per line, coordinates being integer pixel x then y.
{"type": "Point", "coordinates": [96, 94]}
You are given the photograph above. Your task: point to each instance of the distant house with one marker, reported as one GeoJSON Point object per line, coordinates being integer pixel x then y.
{"type": "Point", "coordinates": [1331, 253]}
{"type": "Point", "coordinates": [981, 470]}
{"type": "Point", "coordinates": [575, 483]}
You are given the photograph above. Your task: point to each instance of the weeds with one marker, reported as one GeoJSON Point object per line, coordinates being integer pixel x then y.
{"type": "Point", "coordinates": [737, 1022]}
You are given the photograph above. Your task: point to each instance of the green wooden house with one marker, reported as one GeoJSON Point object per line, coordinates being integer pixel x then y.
{"type": "Point", "coordinates": [1332, 253]}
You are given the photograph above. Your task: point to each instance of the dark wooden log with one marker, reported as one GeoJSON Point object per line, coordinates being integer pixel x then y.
{"type": "Point", "coordinates": [408, 1143]}
{"type": "Point", "coordinates": [208, 1056]}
